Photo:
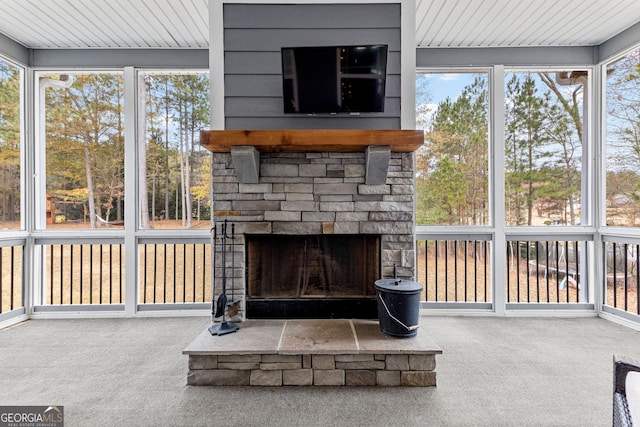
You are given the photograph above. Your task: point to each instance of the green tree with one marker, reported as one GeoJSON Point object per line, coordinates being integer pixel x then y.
{"type": "Point", "coordinates": [623, 107]}
{"type": "Point", "coordinates": [562, 183]}
{"type": "Point", "coordinates": [177, 108]}
{"type": "Point", "coordinates": [623, 140]}
{"type": "Point", "coordinates": [158, 123]}
{"type": "Point", "coordinates": [623, 198]}
{"type": "Point", "coordinates": [455, 160]}
{"type": "Point", "coordinates": [9, 141]}
{"type": "Point", "coordinates": [526, 122]}
{"type": "Point", "coordinates": [85, 142]}
{"type": "Point", "coordinates": [193, 106]}
{"type": "Point", "coordinates": [568, 113]}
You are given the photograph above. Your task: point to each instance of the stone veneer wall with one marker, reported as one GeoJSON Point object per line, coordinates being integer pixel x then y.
{"type": "Point", "coordinates": [417, 370]}
{"type": "Point", "coordinates": [318, 193]}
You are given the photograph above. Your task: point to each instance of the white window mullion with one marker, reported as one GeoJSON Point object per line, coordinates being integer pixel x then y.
{"type": "Point", "coordinates": [598, 199]}
{"type": "Point", "coordinates": [37, 188]}
{"type": "Point", "coordinates": [498, 273]}
{"type": "Point", "coordinates": [130, 193]}
{"type": "Point", "coordinates": [32, 291]}
{"type": "Point", "coordinates": [38, 201]}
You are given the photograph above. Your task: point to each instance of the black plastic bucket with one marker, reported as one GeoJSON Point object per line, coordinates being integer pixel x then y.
{"type": "Point", "coordinates": [398, 307]}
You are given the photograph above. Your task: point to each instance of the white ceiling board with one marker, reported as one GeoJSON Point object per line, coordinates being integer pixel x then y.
{"type": "Point", "coordinates": [81, 24]}
{"type": "Point", "coordinates": [509, 23]}
{"type": "Point", "coordinates": [70, 24]}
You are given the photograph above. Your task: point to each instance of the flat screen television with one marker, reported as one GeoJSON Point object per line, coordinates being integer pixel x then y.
{"type": "Point", "coordinates": [334, 79]}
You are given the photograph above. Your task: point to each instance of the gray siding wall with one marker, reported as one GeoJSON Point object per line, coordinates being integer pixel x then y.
{"type": "Point", "coordinates": [253, 37]}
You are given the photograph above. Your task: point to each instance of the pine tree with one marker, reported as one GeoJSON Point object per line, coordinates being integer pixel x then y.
{"type": "Point", "coordinates": [454, 161]}
{"type": "Point", "coordinates": [9, 142]}
{"type": "Point", "coordinates": [526, 140]}
{"type": "Point", "coordinates": [85, 143]}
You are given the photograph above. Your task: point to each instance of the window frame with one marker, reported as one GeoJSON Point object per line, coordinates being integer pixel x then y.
{"type": "Point", "coordinates": [22, 154]}
{"type": "Point", "coordinates": [489, 71]}
{"type": "Point", "coordinates": [587, 185]}
{"type": "Point", "coordinates": [139, 128]}
{"type": "Point", "coordinates": [40, 158]}
{"type": "Point", "coordinates": [631, 231]}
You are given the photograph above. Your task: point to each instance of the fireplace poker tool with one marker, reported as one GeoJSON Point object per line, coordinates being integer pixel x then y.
{"type": "Point", "coordinates": [222, 299]}
{"type": "Point", "coordinates": [225, 327]}
{"type": "Point", "coordinates": [214, 246]}
{"type": "Point", "coordinates": [234, 306]}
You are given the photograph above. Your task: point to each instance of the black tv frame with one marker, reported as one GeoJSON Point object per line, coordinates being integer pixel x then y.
{"type": "Point", "coordinates": [329, 80]}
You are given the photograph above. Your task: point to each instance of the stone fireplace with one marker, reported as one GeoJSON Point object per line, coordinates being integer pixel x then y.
{"type": "Point", "coordinates": [318, 215]}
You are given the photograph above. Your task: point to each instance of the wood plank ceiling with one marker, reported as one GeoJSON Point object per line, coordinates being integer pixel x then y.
{"type": "Point", "coordinates": [509, 23]}
{"type": "Point", "coordinates": [71, 24]}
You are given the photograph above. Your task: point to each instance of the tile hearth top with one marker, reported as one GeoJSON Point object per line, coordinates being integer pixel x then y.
{"type": "Point", "coordinates": [317, 337]}
{"type": "Point", "coordinates": [325, 336]}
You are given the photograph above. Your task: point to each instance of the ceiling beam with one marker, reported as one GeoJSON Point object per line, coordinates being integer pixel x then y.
{"type": "Point", "coordinates": [14, 50]}
{"type": "Point", "coordinates": [117, 58]}
{"type": "Point", "coordinates": [621, 43]}
{"type": "Point", "coordinates": [509, 56]}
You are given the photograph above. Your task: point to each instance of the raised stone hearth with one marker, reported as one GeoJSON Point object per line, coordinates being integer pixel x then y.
{"type": "Point", "coordinates": [338, 352]}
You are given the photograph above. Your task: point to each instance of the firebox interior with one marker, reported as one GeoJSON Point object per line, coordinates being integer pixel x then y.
{"type": "Point", "coordinates": [301, 274]}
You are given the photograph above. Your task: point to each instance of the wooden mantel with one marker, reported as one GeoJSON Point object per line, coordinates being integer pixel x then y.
{"type": "Point", "coordinates": [301, 141]}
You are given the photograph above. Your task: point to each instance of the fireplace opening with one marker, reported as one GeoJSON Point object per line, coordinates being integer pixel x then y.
{"type": "Point", "coordinates": [312, 276]}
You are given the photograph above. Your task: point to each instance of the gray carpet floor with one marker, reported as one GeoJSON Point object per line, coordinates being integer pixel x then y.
{"type": "Point", "coordinates": [493, 372]}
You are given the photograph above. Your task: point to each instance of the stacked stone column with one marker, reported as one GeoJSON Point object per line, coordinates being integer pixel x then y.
{"type": "Point", "coordinates": [320, 193]}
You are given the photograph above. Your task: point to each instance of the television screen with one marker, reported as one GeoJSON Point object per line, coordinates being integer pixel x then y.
{"type": "Point", "coordinates": [334, 79]}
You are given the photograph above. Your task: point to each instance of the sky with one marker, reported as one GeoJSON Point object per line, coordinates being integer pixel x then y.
{"type": "Point", "coordinates": [447, 84]}
{"type": "Point", "coordinates": [433, 88]}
